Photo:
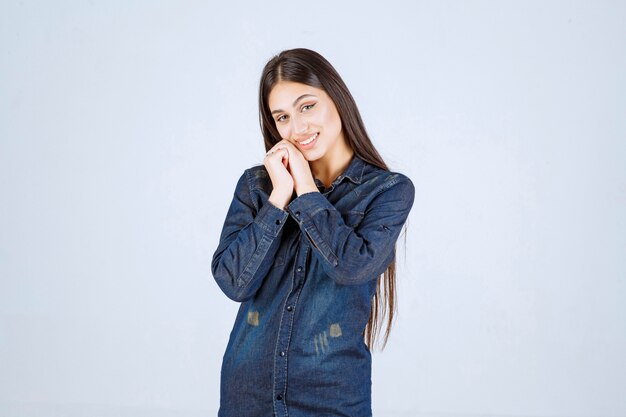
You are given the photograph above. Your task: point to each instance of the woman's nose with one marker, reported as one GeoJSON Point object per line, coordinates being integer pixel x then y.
{"type": "Point", "coordinates": [299, 125]}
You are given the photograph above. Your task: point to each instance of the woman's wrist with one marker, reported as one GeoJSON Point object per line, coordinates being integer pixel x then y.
{"type": "Point", "coordinates": [306, 189]}
{"type": "Point", "coordinates": [278, 202]}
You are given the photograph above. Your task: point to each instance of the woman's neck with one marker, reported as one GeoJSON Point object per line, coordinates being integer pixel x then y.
{"type": "Point", "coordinates": [328, 168]}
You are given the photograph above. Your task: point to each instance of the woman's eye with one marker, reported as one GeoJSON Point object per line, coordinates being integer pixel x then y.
{"type": "Point", "coordinates": [280, 118]}
{"type": "Point", "coordinates": [308, 106]}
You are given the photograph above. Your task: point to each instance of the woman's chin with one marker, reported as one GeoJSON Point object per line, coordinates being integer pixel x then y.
{"type": "Point", "coordinates": [311, 156]}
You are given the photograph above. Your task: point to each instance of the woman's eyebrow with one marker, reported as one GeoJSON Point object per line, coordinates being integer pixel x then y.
{"type": "Point", "coordinates": [295, 102]}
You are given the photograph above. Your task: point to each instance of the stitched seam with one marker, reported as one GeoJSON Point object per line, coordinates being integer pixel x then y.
{"type": "Point", "coordinates": [257, 208]}
{"type": "Point", "coordinates": [250, 190]}
{"type": "Point", "coordinates": [280, 323]}
{"type": "Point", "coordinates": [331, 258]}
{"type": "Point", "coordinates": [289, 338]}
{"type": "Point", "coordinates": [245, 270]}
{"type": "Point", "coordinates": [385, 186]}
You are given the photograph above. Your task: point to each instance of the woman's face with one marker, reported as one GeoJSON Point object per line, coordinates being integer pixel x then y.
{"type": "Point", "coordinates": [301, 113]}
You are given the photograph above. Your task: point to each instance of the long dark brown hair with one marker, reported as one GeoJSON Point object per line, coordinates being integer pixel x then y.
{"type": "Point", "coordinates": [309, 67]}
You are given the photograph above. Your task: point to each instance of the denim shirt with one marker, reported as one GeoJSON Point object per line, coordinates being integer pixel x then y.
{"type": "Point", "coordinates": [305, 277]}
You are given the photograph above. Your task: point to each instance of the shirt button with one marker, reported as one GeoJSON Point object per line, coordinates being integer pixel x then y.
{"type": "Point", "coordinates": [282, 353]}
{"type": "Point", "coordinates": [297, 214]}
{"type": "Point", "coordinates": [279, 397]}
{"type": "Point", "coordinates": [278, 221]}
{"type": "Point", "coordinates": [299, 269]}
{"type": "Point", "coordinates": [289, 308]}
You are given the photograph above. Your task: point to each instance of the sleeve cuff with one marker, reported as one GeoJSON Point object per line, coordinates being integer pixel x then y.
{"type": "Point", "coordinates": [271, 218]}
{"type": "Point", "coordinates": [307, 205]}
{"type": "Point", "coordinates": [303, 209]}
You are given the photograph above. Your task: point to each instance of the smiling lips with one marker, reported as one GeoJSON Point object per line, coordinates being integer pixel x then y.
{"type": "Point", "coordinates": [307, 143]}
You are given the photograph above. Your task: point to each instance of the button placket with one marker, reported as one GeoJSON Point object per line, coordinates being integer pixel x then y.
{"type": "Point", "coordinates": [285, 329]}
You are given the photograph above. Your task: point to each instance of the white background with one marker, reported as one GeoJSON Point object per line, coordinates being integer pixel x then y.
{"type": "Point", "coordinates": [124, 126]}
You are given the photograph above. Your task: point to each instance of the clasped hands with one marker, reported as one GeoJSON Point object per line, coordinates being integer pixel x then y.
{"type": "Point", "coordinates": [289, 170]}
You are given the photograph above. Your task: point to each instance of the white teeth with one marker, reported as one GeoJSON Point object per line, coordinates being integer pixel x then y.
{"type": "Point", "coordinates": [311, 139]}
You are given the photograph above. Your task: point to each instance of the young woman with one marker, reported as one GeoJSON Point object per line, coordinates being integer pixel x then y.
{"type": "Point", "coordinates": [305, 241]}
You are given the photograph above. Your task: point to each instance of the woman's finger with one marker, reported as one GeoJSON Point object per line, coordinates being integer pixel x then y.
{"type": "Point", "coordinates": [285, 157]}
{"type": "Point", "coordinates": [279, 152]}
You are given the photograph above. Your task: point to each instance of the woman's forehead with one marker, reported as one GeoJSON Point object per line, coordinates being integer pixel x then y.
{"type": "Point", "coordinates": [285, 92]}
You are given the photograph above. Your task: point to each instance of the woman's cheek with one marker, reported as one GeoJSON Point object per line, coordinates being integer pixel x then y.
{"type": "Point", "coordinates": [284, 133]}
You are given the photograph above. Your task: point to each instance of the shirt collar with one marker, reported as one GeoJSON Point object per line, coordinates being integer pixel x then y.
{"type": "Point", "coordinates": [354, 171]}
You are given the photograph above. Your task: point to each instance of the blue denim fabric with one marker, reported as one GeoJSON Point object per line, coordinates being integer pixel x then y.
{"type": "Point", "coordinates": [305, 277]}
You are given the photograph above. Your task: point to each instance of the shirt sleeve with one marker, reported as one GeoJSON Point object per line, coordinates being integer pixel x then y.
{"type": "Point", "coordinates": [248, 244]}
{"type": "Point", "coordinates": [353, 255]}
